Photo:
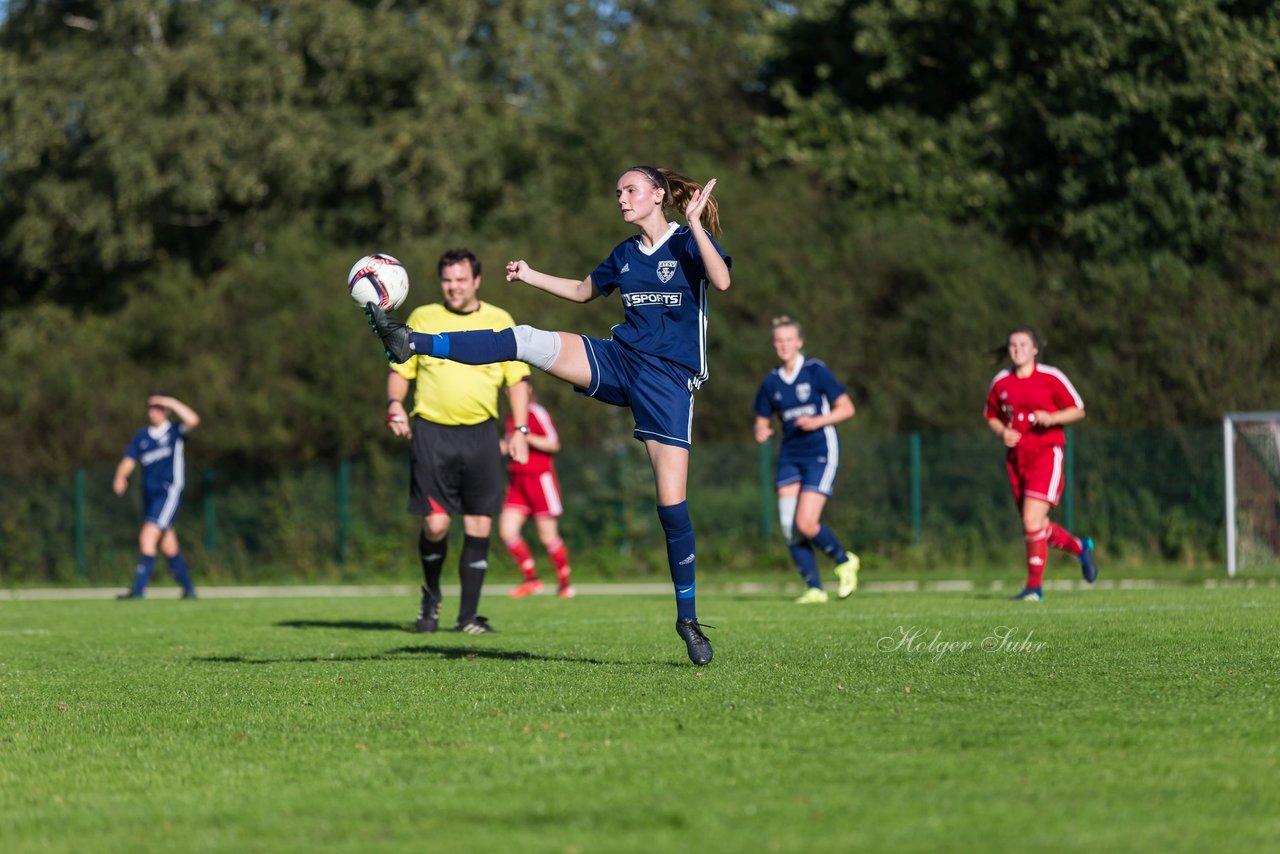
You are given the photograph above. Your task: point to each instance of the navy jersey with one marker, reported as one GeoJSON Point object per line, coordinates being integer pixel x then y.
{"type": "Point", "coordinates": [664, 297]}
{"type": "Point", "coordinates": [809, 391]}
{"type": "Point", "coordinates": [160, 453]}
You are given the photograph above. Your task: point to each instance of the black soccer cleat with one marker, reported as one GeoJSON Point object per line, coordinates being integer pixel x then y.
{"type": "Point", "coordinates": [394, 334]}
{"type": "Point", "coordinates": [129, 594]}
{"type": "Point", "coordinates": [475, 626]}
{"type": "Point", "coordinates": [697, 642]}
{"type": "Point", "coordinates": [428, 614]}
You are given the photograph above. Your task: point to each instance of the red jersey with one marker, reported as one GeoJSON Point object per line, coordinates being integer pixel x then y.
{"type": "Point", "coordinates": [1013, 400]}
{"type": "Point", "coordinates": [540, 424]}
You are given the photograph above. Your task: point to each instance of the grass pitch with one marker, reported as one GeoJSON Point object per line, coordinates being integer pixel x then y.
{"type": "Point", "coordinates": [1098, 720]}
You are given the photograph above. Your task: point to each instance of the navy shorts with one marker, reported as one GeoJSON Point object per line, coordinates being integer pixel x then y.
{"type": "Point", "coordinates": [160, 507]}
{"type": "Point", "coordinates": [659, 393]}
{"type": "Point", "coordinates": [813, 474]}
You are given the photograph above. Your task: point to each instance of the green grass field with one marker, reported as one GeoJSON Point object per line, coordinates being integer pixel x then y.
{"type": "Point", "coordinates": [1104, 720]}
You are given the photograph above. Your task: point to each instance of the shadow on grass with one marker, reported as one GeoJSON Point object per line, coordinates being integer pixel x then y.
{"type": "Point", "coordinates": [457, 653]}
{"type": "Point", "coordinates": [358, 625]}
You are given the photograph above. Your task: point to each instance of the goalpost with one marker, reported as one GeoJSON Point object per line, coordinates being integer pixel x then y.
{"type": "Point", "coordinates": [1251, 465]}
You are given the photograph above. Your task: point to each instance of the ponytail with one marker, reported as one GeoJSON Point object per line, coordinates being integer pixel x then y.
{"type": "Point", "coordinates": [677, 191]}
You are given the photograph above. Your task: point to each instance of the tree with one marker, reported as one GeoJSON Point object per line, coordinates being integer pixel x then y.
{"type": "Point", "coordinates": [1109, 129]}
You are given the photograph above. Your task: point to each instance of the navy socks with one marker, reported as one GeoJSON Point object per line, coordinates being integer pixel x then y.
{"type": "Point", "coordinates": [681, 556]}
{"type": "Point", "coordinates": [830, 546]}
{"type": "Point", "coordinates": [479, 347]}
{"type": "Point", "coordinates": [806, 563]}
{"type": "Point", "coordinates": [142, 573]}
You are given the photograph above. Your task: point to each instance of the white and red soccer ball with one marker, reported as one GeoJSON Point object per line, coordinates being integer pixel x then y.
{"type": "Point", "coordinates": [380, 279]}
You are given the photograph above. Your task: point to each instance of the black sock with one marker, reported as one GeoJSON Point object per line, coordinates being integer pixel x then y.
{"type": "Point", "coordinates": [471, 568]}
{"type": "Point", "coordinates": [432, 555]}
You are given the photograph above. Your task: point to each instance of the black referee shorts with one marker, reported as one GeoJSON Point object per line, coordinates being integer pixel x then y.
{"type": "Point", "coordinates": [455, 469]}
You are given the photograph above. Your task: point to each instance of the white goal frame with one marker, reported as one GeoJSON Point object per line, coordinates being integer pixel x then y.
{"type": "Point", "coordinates": [1229, 420]}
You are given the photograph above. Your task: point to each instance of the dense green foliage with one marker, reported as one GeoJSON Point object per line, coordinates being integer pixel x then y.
{"type": "Point", "coordinates": [184, 185]}
{"type": "Point", "coordinates": [1107, 721]}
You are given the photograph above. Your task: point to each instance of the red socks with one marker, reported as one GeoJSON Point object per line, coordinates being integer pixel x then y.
{"type": "Point", "coordinates": [1037, 553]}
{"type": "Point", "coordinates": [559, 553]}
{"type": "Point", "coordinates": [1060, 538]}
{"type": "Point", "coordinates": [520, 553]}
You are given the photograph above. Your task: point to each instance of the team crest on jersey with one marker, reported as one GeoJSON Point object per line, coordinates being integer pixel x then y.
{"type": "Point", "coordinates": [666, 270]}
{"type": "Point", "coordinates": [802, 392]}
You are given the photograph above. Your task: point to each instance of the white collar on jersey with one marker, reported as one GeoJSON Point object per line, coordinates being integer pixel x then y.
{"type": "Point", "coordinates": [157, 432]}
{"type": "Point", "coordinates": [782, 371]}
{"type": "Point", "coordinates": [671, 229]}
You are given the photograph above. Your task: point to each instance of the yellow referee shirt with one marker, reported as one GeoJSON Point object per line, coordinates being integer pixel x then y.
{"type": "Point", "coordinates": [450, 392]}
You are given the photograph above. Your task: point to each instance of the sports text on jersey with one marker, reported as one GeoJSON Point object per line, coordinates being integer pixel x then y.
{"type": "Point", "coordinates": [650, 298]}
{"type": "Point", "coordinates": [158, 454]}
{"type": "Point", "coordinates": [799, 412]}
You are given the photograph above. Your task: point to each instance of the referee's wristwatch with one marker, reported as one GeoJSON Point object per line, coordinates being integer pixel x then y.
{"type": "Point", "coordinates": [522, 428]}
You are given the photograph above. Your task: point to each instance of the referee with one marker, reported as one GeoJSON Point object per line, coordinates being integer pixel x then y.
{"type": "Point", "coordinates": [455, 463]}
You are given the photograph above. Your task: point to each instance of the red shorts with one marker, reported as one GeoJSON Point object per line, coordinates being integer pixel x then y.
{"type": "Point", "coordinates": [534, 494]}
{"type": "Point", "coordinates": [1036, 473]}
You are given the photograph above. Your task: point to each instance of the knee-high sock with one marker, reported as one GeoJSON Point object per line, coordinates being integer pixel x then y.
{"type": "Point", "coordinates": [472, 565]}
{"type": "Point", "coordinates": [477, 347]}
{"type": "Point", "coordinates": [681, 556]}
{"type": "Point", "coordinates": [142, 573]}
{"type": "Point", "coordinates": [432, 556]}
{"type": "Point", "coordinates": [1037, 554]}
{"type": "Point", "coordinates": [826, 540]}
{"type": "Point", "coordinates": [1061, 538]}
{"type": "Point", "coordinates": [181, 574]}
{"type": "Point", "coordinates": [806, 563]}
{"type": "Point", "coordinates": [519, 551]}
{"type": "Point", "coordinates": [559, 554]}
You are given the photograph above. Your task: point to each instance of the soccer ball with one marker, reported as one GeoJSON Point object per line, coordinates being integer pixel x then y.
{"type": "Point", "coordinates": [380, 279]}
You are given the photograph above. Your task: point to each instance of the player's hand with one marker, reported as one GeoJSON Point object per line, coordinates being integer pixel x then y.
{"type": "Point", "coordinates": [698, 202]}
{"type": "Point", "coordinates": [763, 434]}
{"type": "Point", "coordinates": [807, 423]}
{"type": "Point", "coordinates": [1010, 437]}
{"type": "Point", "coordinates": [517, 271]}
{"type": "Point", "coordinates": [119, 485]}
{"type": "Point", "coordinates": [398, 420]}
{"type": "Point", "coordinates": [1041, 418]}
{"type": "Point", "coordinates": [518, 447]}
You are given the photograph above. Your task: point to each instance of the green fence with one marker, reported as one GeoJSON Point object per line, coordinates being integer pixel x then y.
{"type": "Point", "coordinates": [916, 501]}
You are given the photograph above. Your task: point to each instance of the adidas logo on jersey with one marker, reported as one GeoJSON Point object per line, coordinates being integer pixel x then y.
{"type": "Point", "coordinates": [626, 268]}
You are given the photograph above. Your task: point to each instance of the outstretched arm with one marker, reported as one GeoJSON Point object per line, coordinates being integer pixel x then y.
{"type": "Point", "coordinates": [185, 413]}
{"type": "Point", "coordinates": [570, 289]}
{"type": "Point", "coordinates": [717, 270]}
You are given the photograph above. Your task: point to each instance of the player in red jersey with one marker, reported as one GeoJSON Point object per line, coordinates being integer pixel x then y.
{"type": "Point", "coordinates": [1027, 407]}
{"type": "Point", "coordinates": [534, 490]}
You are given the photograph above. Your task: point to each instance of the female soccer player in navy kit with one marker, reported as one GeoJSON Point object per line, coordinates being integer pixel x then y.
{"type": "Point", "coordinates": [655, 360]}
{"type": "Point", "coordinates": [1027, 406]}
{"type": "Point", "coordinates": [159, 449]}
{"type": "Point", "coordinates": [809, 401]}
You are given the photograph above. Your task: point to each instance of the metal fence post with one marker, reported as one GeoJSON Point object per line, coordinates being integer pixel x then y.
{"type": "Point", "coordinates": [766, 489]}
{"type": "Point", "coordinates": [210, 510]}
{"type": "Point", "coordinates": [1068, 482]}
{"type": "Point", "coordinates": [344, 507]}
{"type": "Point", "coordinates": [916, 500]}
{"type": "Point", "coordinates": [82, 558]}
